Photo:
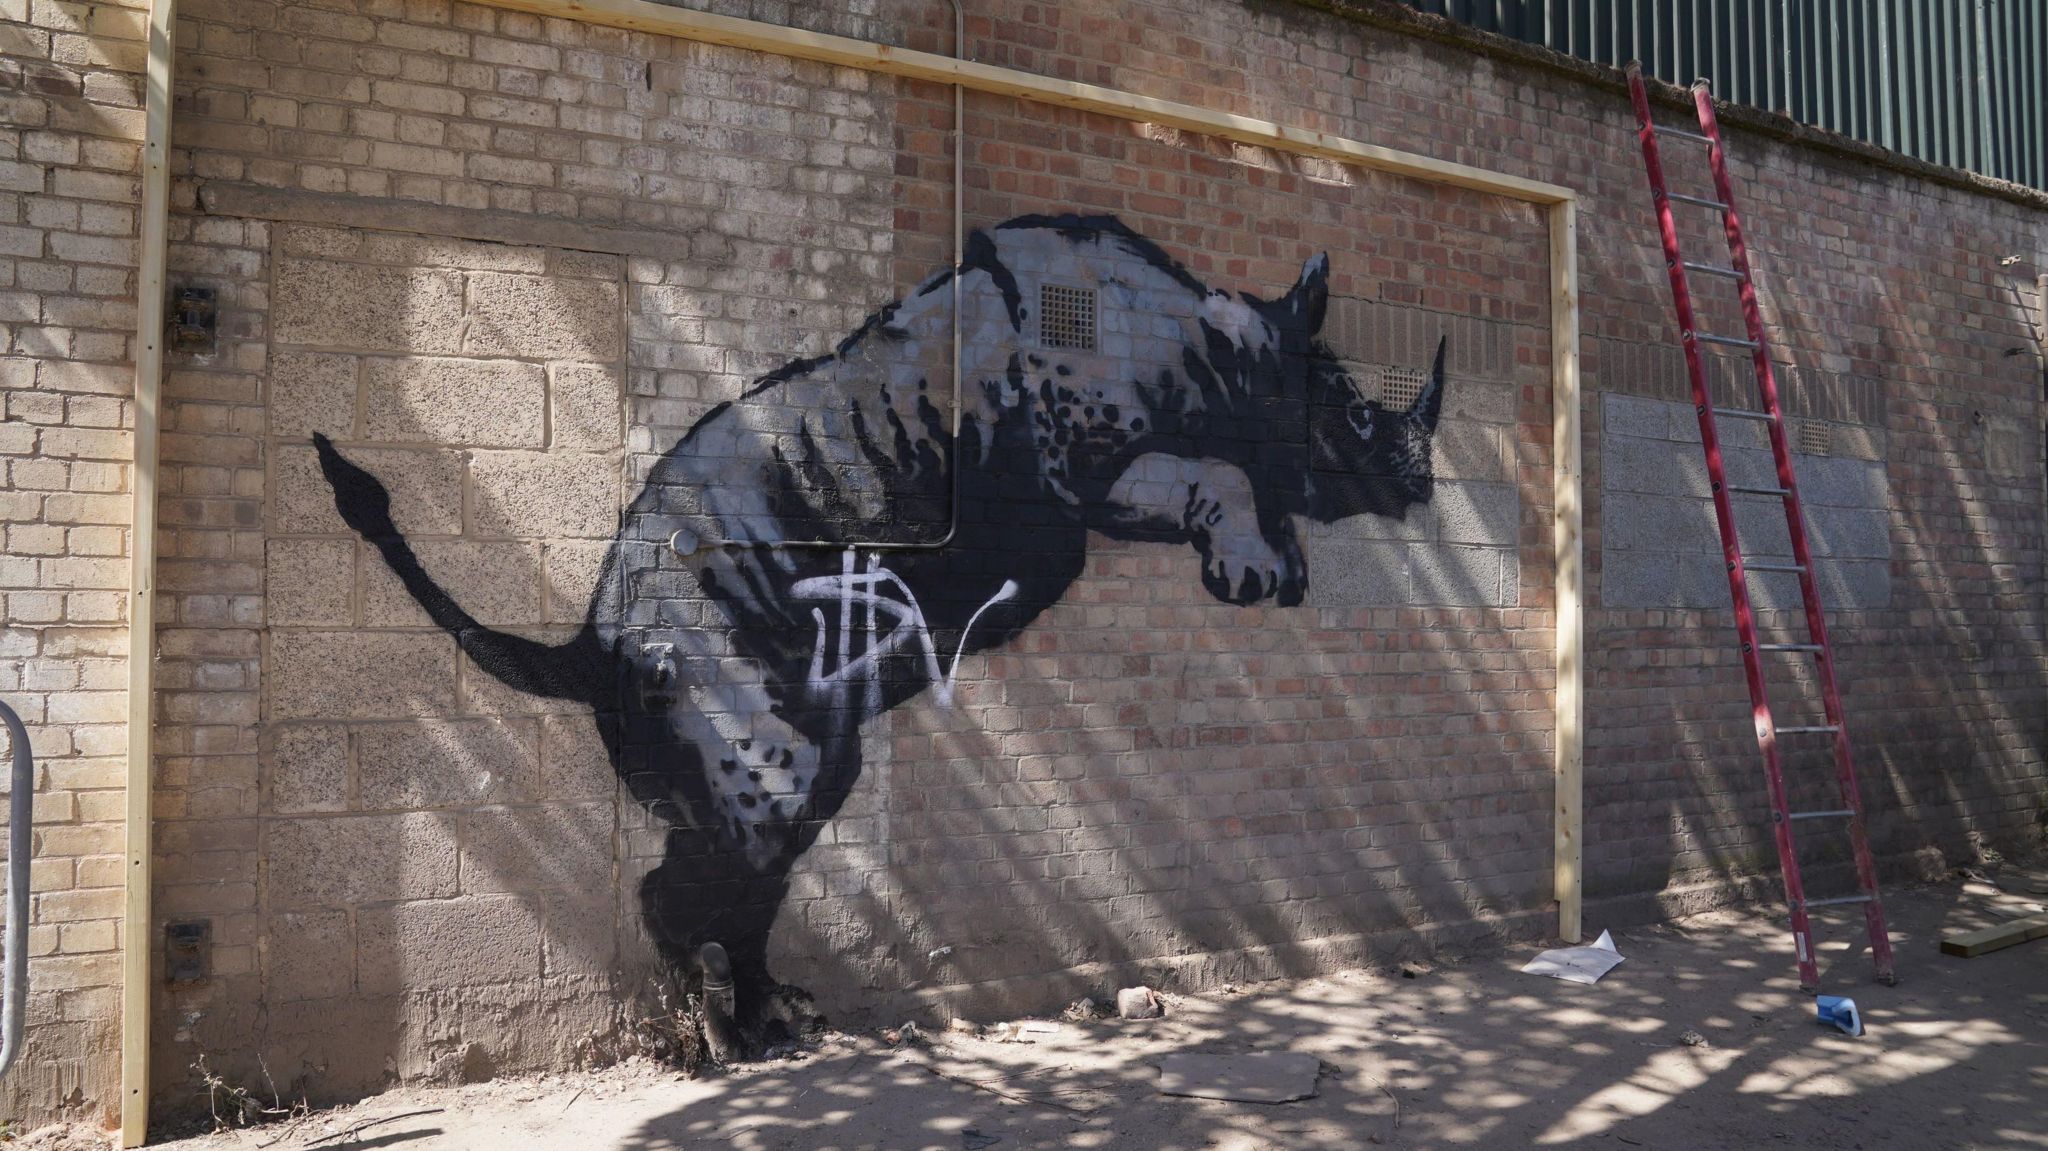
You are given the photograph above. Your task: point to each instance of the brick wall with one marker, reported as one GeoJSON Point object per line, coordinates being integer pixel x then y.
{"type": "Point", "coordinates": [70, 98]}
{"type": "Point", "coordinates": [508, 264]}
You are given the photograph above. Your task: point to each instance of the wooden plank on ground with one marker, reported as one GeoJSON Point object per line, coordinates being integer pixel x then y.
{"type": "Point", "coordinates": [1970, 944]}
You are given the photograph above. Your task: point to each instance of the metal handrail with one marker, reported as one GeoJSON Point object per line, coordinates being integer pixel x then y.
{"type": "Point", "coordinates": [20, 823]}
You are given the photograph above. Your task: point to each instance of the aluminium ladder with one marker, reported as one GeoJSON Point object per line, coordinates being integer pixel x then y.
{"type": "Point", "coordinates": [1787, 492]}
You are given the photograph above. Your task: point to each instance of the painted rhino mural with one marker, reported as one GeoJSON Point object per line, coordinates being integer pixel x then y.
{"type": "Point", "coordinates": [824, 548]}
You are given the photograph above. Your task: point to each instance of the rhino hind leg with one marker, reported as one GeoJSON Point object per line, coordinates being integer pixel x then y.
{"type": "Point", "coordinates": [739, 786]}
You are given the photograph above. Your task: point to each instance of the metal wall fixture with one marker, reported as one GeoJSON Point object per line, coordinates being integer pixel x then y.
{"type": "Point", "coordinates": [20, 824]}
{"type": "Point", "coordinates": [1954, 82]}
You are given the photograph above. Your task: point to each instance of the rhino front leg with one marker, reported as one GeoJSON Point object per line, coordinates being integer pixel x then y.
{"type": "Point", "coordinates": [1246, 557]}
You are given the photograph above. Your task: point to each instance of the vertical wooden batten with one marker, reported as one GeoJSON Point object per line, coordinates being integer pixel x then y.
{"type": "Point", "coordinates": [1568, 546]}
{"type": "Point", "coordinates": [149, 362]}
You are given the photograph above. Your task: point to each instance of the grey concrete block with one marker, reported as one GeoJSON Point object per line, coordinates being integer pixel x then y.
{"type": "Point", "coordinates": [1655, 467]}
{"type": "Point", "coordinates": [1770, 591]}
{"type": "Point", "coordinates": [468, 942]}
{"type": "Point", "coordinates": [308, 956]}
{"type": "Point", "coordinates": [306, 768]}
{"type": "Point", "coordinates": [414, 250]}
{"type": "Point", "coordinates": [587, 407]}
{"type": "Point", "coordinates": [1357, 573]}
{"type": "Point", "coordinates": [425, 487]}
{"type": "Point", "coordinates": [1855, 585]}
{"type": "Point", "coordinates": [569, 577]}
{"type": "Point", "coordinates": [1850, 533]}
{"type": "Point", "coordinates": [1468, 450]}
{"type": "Point", "coordinates": [335, 674]}
{"type": "Point", "coordinates": [1622, 415]}
{"type": "Point", "coordinates": [355, 306]}
{"type": "Point", "coordinates": [483, 694]}
{"type": "Point", "coordinates": [543, 317]}
{"type": "Point", "coordinates": [1478, 401]}
{"type": "Point", "coordinates": [1641, 579]}
{"type": "Point", "coordinates": [338, 861]}
{"type": "Point", "coordinates": [498, 582]}
{"type": "Point", "coordinates": [312, 392]}
{"type": "Point", "coordinates": [1752, 467]}
{"type": "Point", "coordinates": [567, 846]}
{"type": "Point", "coordinates": [581, 936]}
{"type": "Point", "coordinates": [1415, 526]}
{"type": "Point", "coordinates": [1474, 513]}
{"type": "Point", "coordinates": [447, 763]}
{"type": "Point", "coordinates": [1760, 525]}
{"type": "Point", "coordinates": [573, 761]}
{"type": "Point", "coordinates": [488, 403]}
{"type": "Point", "coordinates": [309, 581]}
{"type": "Point", "coordinates": [544, 495]}
{"type": "Point", "coordinates": [1454, 576]}
{"type": "Point", "coordinates": [1844, 483]}
{"type": "Point", "coordinates": [1854, 441]}
{"type": "Point", "coordinates": [1631, 521]}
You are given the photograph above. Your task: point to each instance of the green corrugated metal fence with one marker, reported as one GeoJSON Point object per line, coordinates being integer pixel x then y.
{"type": "Point", "coordinates": [1955, 82]}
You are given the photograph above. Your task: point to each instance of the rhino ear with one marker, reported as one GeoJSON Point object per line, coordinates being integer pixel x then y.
{"type": "Point", "coordinates": [1309, 298]}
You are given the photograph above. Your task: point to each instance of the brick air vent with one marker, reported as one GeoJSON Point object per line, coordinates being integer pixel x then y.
{"type": "Point", "coordinates": [1816, 437]}
{"type": "Point", "coordinates": [1066, 317]}
{"type": "Point", "coordinates": [1399, 387]}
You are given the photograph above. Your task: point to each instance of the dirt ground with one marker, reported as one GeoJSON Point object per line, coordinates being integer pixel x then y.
{"type": "Point", "coordinates": [1469, 1054]}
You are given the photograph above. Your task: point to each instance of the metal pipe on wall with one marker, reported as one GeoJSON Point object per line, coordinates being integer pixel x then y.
{"type": "Point", "coordinates": [20, 844]}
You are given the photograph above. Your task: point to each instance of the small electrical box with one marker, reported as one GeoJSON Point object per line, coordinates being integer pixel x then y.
{"type": "Point", "coordinates": [188, 951]}
{"type": "Point", "coordinates": [194, 314]}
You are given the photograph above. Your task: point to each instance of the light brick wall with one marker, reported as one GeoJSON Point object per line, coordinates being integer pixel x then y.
{"type": "Point", "coordinates": [507, 260]}
{"type": "Point", "coordinates": [70, 103]}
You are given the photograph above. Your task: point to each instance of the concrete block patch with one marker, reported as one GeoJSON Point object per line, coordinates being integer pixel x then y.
{"type": "Point", "coordinates": [1660, 548]}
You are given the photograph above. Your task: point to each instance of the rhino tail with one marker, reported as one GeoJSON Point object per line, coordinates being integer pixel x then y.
{"type": "Point", "coordinates": [575, 670]}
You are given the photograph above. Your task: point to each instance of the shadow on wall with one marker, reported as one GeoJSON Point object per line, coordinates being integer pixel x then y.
{"type": "Point", "coordinates": [733, 663]}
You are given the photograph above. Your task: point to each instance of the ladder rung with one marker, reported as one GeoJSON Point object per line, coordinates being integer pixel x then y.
{"type": "Point", "coordinates": [1773, 567]}
{"type": "Point", "coordinates": [1789, 647]}
{"type": "Point", "coordinates": [1702, 201]}
{"type": "Point", "coordinates": [1810, 729]}
{"type": "Point", "coordinates": [1683, 134]}
{"type": "Point", "coordinates": [1712, 270]}
{"type": "Point", "coordinates": [1741, 490]}
{"type": "Point", "coordinates": [1839, 813]}
{"type": "Point", "coordinates": [1742, 414]}
{"type": "Point", "coordinates": [1839, 899]}
{"type": "Point", "coordinates": [1730, 341]}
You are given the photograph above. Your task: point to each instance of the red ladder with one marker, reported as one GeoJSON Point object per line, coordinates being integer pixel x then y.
{"type": "Point", "coordinates": [1739, 567]}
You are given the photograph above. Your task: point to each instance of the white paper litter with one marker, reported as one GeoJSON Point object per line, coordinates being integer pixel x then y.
{"type": "Point", "coordinates": [1577, 964]}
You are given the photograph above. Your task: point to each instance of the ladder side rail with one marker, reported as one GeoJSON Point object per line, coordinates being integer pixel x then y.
{"type": "Point", "coordinates": [1795, 524]}
{"type": "Point", "coordinates": [1731, 551]}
